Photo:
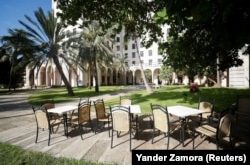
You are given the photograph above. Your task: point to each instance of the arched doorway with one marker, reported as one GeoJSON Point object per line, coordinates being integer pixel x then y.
{"type": "Point", "coordinates": [138, 77]}
{"type": "Point", "coordinates": [129, 77]}
{"type": "Point", "coordinates": [109, 77]}
{"type": "Point", "coordinates": [103, 75]}
{"type": "Point", "coordinates": [148, 75]}
{"type": "Point", "coordinates": [156, 77]}
{"type": "Point", "coordinates": [42, 76]}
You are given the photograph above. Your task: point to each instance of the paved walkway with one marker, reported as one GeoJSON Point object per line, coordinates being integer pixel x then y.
{"type": "Point", "coordinates": [18, 127]}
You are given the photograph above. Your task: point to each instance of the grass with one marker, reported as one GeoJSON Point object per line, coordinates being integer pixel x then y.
{"type": "Point", "coordinates": [60, 94]}
{"type": "Point", "coordinates": [180, 95]}
{"type": "Point", "coordinates": [10, 154]}
{"type": "Point", "coordinates": [166, 96]}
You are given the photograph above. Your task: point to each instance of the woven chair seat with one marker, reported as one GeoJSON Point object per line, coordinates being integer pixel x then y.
{"type": "Point", "coordinates": [206, 130]}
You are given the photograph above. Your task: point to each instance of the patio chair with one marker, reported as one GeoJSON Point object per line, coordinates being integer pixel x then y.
{"type": "Point", "coordinates": [242, 114]}
{"type": "Point", "coordinates": [207, 106]}
{"type": "Point", "coordinates": [74, 114]}
{"type": "Point", "coordinates": [48, 104]}
{"type": "Point", "coordinates": [121, 122]}
{"type": "Point", "coordinates": [220, 133]}
{"type": "Point", "coordinates": [101, 115]}
{"type": "Point", "coordinates": [44, 122]}
{"type": "Point", "coordinates": [125, 100]}
{"type": "Point", "coordinates": [162, 122]}
{"type": "Point", "coordinates": [82, 117]}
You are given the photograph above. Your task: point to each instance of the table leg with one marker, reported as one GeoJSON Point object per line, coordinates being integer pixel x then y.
{"type": "Point", "coordinates": [182, 131]}
{"type": "Point", "coordinates": [65, 124]}
{"type": "Point", "coordinates": [136, 126]}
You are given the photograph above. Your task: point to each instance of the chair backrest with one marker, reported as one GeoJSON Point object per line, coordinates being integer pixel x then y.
{"type": "Point", "coordinates": [48, 105]}
{"type": "Point", "coordinates": [83, 100]}
{"type": "Point", "coordinates": [120, 118]}
{"type": "Point", "coordinates": [125, 100]}
{"type": "Point", "coordinates": [41, 117]}
{"type": "Point", "coordinates": [84, 112]}
{"type": "Point", "coordinates": [243, 104]}
{"type": "Point", "coordinates": [160, 117]}
{"type": "Point", "coordinates": [206, 106]}
{"type": "Point", "coordinates": [100, 109]}
{"type": "Point", "coordinates": [224, 128]}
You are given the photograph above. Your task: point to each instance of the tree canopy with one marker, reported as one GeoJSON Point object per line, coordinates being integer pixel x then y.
{"type": "Point", "coordinates": [200, 31]}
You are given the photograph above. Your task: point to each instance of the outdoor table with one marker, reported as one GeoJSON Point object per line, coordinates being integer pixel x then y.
{"type": "Point", "coordinates": [62, 110]}
{"type": "Point", "coordinates": [183, 112]}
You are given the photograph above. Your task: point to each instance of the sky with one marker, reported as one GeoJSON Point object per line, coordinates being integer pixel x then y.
{"type": "Point", "coordinates": [13, 10]}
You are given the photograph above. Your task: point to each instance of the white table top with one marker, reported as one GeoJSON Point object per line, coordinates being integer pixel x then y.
{"type": "Point", "coordinates": [63, 109]}
{"type": "Point", "coordinates": [136, 109]}
{"type": "Point", "coordinates": [182, 111]}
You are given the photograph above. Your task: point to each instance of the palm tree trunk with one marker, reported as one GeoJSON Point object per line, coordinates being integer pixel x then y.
{"type": "Point", "coordinates": [60, 70]}
{"type": "Point", "coordinates": [148, 88]}
{"type": "Point", "coordinates": [218, 84]}
{"type": "Point", "coordinates": [11, 74]}
{"type": "Point", "coordinates": [95, 72]}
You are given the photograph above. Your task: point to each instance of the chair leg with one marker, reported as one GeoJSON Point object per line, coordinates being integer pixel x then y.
{"type": "Point", "coordinates": [153, 135]}
{"type": "Point", "coordinates": [91, 125]}
{"type": "Point", "coordinates": [112, 135]}
{"type": "Point", "coordinates": [37, 129]}
{"type": "Point", "coordinates": [193, 137]}
{"type": "Point", "coordinates": [130, 140]}
{"type": "Point", "coordinates": [80, 131]}
{"type": "Point", "coordinates": [168, 141]}
{"type": "Point", "coordinates": [49, 136]}
{"type": "Point", "coordinates": [109, 126]}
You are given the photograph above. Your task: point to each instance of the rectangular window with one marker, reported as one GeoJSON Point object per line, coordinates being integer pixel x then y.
{"type": "Point", "coordinates": [118, 48]}
{"type": "Point", "coordinates": [133, 46]}
{"type": "Point", "coordinates": [159, 61]}
{"type": "Point", "coordinates": [150, 52]}
{"type": "Point", "coordinates": [126, 47]}
{"type": "Point", "coordinates": [133, 62]}
{"type": "Point", "coordinates": [141, 53]}
{"type": "Point", "coordinates": [150, 62]}
{"type": "Point", "coordinates": [117, 39]}
{"type": "Point", "coordinates": [126, 63]}
{"type": "Point", "coordinates": [126, 55]}
{"type": "Point", "coordinates": [133, 54]}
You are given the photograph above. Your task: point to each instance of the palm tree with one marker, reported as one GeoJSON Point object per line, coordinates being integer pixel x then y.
{"type": "Point", "coordinates": [16, 48]}
{"type": "Point", "coordinates": [96, 47]}
{"type": "Point", "coordinates": [46, 32]}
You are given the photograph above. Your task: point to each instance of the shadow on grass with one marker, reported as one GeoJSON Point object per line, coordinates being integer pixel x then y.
{"type": "Point", "coordinates": [224, 97]}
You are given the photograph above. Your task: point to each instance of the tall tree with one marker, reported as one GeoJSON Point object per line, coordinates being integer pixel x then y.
{"type": "Point", "coordinates": [94, 48]}
{"type": "Point", "coordinates": [16, 49]}
{"type": "Point", "coordinates": [205, 34]}
{"type": "Point", "coordinates": [134, 16]}
{"type": "Point", "coordinates": [46, 32]}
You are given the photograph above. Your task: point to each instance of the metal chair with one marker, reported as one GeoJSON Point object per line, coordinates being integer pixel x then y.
{"type": "Point", "coordinates": [242, 114]}
{"type": "Point", "coordinates": [207, 106]}
{"type": "Point", "coordinates": [82, 117]}
{"type": "Point", "coordinates": [125, 100]}
{"type": "Point", "coordinates": [121, 121]}
{"type": "Point", "coordinates": [101, 115]}
{"type": "Point", "coordinates": [223, 130]}
{"type": "Point", "coordinates": [162, 122]}
{"type": "Point", "coordinates": [43, 121]}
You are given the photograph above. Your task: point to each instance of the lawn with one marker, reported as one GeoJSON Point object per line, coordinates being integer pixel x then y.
{"type": "Point", "coordinates": [166, 96]}
{"type": "Point", "coordinates": [180, 95]}
{"type": "Point", "coordinates": [60, 94]}
{"type": "Point", "coordinates": [10, 155]}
